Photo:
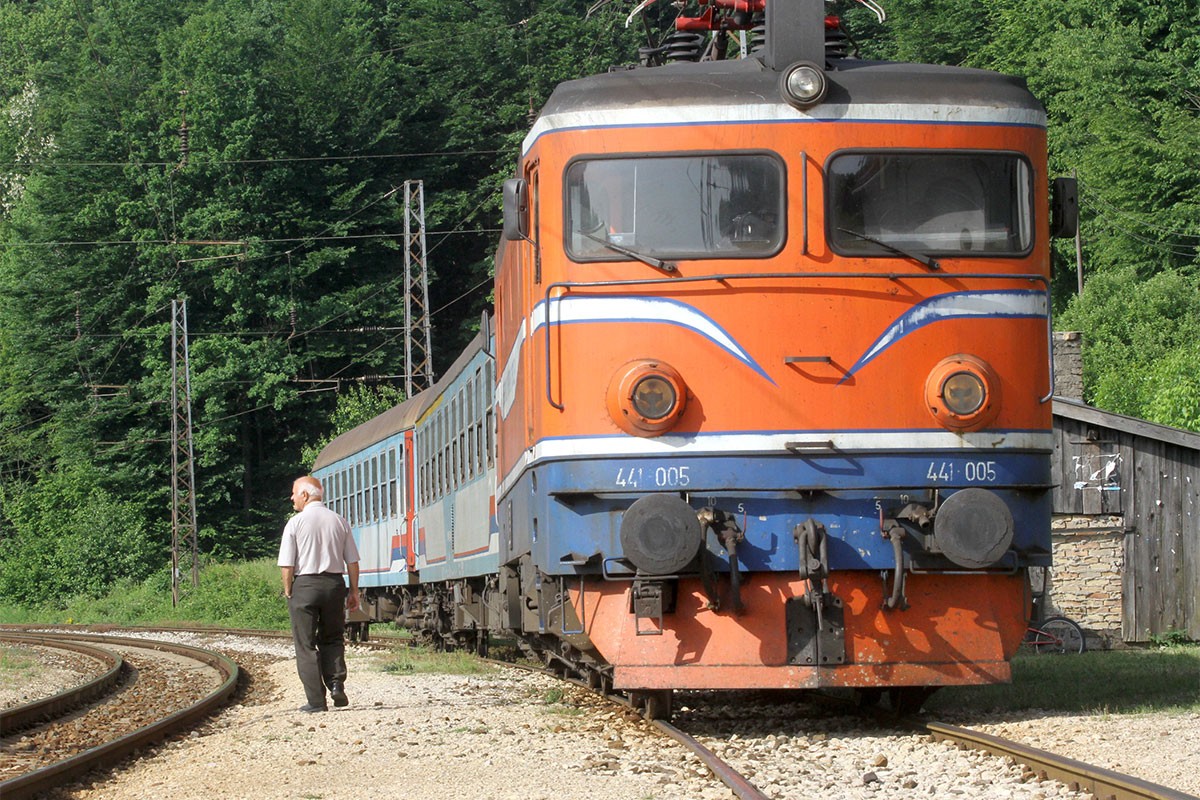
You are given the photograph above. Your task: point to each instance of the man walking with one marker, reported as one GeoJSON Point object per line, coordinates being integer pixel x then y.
{"type": "Point", "coordinates": [315, 551]}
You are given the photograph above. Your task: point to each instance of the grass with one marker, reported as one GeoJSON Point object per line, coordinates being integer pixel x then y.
{"type": "Point", "coordinates": [423, 661]}
{"type": "Point", "coordinates": [247, 595]}
{"type": "Point", "coordinates": [1165, 679]}
{"type": "Point", "coordinates": [233, 595]}
{"type": "Point", "coordinates": [14, 664]}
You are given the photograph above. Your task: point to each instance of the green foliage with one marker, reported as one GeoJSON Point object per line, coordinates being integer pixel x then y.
{"type": "Point", "coordinates": [234, 595]}
{"type": "Point", "coordinates": [1122, 96]}
{"type": "Point", "coordinates": [70, 536]}
{"type": "Point", "coordinates": [1142, 339]}
{"type": "Point", "coordinates": [355, 406]}
{"type": "Point", "coordinates": [304, 117]}
{"type": "Point", "coordinates": [1171, 639]}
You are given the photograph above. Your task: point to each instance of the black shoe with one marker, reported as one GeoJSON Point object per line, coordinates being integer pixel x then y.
{"type": "Point", "coordinates": [309, 708]}
{"type": "Point", "coordinates": [338, 692]}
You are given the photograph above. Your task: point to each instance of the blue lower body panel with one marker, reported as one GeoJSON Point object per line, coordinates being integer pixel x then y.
{"type": "Point", "coordinates": [568, 513]}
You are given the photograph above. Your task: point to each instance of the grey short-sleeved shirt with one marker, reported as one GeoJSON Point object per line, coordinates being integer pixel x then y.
{"type": "Point", "coordinates": [317, 540]}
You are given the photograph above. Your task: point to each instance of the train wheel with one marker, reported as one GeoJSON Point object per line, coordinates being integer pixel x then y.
{"type": "Point", "coordinates": [867, 698]}
{"type": "Point", "coordinates": [593, 679]}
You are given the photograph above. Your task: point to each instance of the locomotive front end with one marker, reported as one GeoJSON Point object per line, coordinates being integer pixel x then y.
{"type": "Point", "coordinates": [772, 341]}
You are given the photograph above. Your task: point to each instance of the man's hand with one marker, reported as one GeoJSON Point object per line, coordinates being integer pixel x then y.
{"type": "Point", "coordinates": [352, 601]}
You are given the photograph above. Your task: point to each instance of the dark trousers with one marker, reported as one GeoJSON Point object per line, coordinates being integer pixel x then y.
{"type": "Point", "coordinates": [318, 611]}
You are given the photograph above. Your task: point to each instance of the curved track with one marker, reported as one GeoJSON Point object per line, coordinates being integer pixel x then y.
{"type": "Point", "coordinates": [47, 776]}
{"type": "Point", "coordinates": [109, 668]}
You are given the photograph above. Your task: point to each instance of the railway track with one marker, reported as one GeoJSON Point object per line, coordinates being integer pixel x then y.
{"type": "Point", "coordinates": [1103, 784]}
{"type": "Point", "coordinates": [745, 748]}
{"type": "Point", "coordinates": [1039, 765]}
{"type": "Point", "coordinates": [144, 691]}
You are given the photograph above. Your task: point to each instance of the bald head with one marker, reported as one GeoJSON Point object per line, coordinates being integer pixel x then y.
{"type": "Point", "coordinates": [305, 490]}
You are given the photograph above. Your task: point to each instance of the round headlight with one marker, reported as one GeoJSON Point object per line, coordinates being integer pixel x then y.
{"type": "Point", "coordinates": [804, 84]}
{"type": "Point", "coordinates": [646, 398]}
{"type": "Point", "coordinates": [654, 397]}
{"type": "Point", "coordinates": [962, 393]}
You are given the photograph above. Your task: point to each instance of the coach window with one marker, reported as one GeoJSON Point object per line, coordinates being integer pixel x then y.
{"type": "Point", "coordinates": [373, 489]}
{"type": "Point", "coordinates": [469, 428]}
{"type": "Point", "coordinates": [453, 437]}
{"type": "Point", "coordinates": [392, 500]}
{"type": "Point", "coordinates": [336, 478]}
{"type": "Point", "coordinates": [341, 493]}
{"type": "Point", "coordinates": [419, 465]}
{"type": "Point", "coordinates": [382, 487]}
{"type": "Point", "coordinates": [360, 491]}
{"type": "Point", "coordinates": [335, 487]}
{"type": "Point", "coordinates": [448, 448]}
{"type": "Point", "coordinates": [460, 432]}
{"type": "Point", "coordinates": [688, 206]}
{"type": "Point", "coordinates": [422, 444]}
{"type": "Point", "coordinates": [930, 203]}
{"type": "Point", "coordinates": [443, 455]}
{"type": "Point", "coordinates": [489, 419]}
{"type": "Point", "coordinates": [438, 458]}
{"type": "Point", "coordinates": [385, 505]}
{"type": "Point", "coordinates": [477, 430]}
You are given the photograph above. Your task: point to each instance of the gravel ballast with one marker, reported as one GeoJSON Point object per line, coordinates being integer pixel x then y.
{"type": "Point", "coordinates": [501, 735]}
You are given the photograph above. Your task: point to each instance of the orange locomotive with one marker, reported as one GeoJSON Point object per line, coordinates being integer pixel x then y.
{"type": "Point", "coordinates": [772, 367]}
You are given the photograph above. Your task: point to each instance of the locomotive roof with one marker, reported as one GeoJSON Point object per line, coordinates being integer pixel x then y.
{"type": "Point", "coordinates": [397, 418]}
{"type": "Point", "coordinates": [858, 90]}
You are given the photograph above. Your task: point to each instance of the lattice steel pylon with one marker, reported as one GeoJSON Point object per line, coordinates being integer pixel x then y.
{"type": "Point", "coordinates": [418, 353]}
{"type": "Point", "coordinates": [183, 475]}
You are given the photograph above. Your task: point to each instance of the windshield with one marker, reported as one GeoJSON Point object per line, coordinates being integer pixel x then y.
{"type": "Point", "coordinates": [937, 203]}
{"type": "Point", "coordinates": [693, 206]}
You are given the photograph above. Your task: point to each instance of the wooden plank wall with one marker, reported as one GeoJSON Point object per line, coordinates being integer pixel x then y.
{"type": "Point", "coordinates": [1107, 464]}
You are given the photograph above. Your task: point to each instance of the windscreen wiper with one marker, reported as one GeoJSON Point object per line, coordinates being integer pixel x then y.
{"type": "Point", "coordinates": [920, 258]}
{"type": "Point", "coordinates": [657, 263]}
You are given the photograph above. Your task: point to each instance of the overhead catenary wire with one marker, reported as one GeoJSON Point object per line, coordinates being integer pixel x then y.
{"type": "Point", "coordinates": [194, 162]}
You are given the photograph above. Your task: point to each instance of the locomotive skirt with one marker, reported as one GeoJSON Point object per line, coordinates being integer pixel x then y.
{"type": "Point", "coordinates": [318, 611]}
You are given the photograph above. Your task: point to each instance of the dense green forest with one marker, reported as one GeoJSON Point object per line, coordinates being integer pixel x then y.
{"type": "Point", "coordinates": [249, 156]}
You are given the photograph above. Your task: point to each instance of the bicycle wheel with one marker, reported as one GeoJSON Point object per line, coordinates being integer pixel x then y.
{"type": "Point", "coordinates": [1060, 635]}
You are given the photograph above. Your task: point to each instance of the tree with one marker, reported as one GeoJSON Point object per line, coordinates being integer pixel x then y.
{"type": "Point", "coordinates": [245, 156]}
{"type": "Point", "coordinates": [1122, 96]}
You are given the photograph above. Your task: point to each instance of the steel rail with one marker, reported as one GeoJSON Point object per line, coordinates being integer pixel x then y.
{"type": "Point", "coordinates": [22, 716]}
{"type": "Point", "coordinates": [1104, 784]}
{"type": "Point", "coordinates": [40, 780]}
{"type": "Point", "coordinates": [736, 781]}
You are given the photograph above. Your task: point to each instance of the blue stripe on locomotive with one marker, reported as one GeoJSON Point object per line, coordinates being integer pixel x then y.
{"type": "Point", "coordinates": [578, 502]}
